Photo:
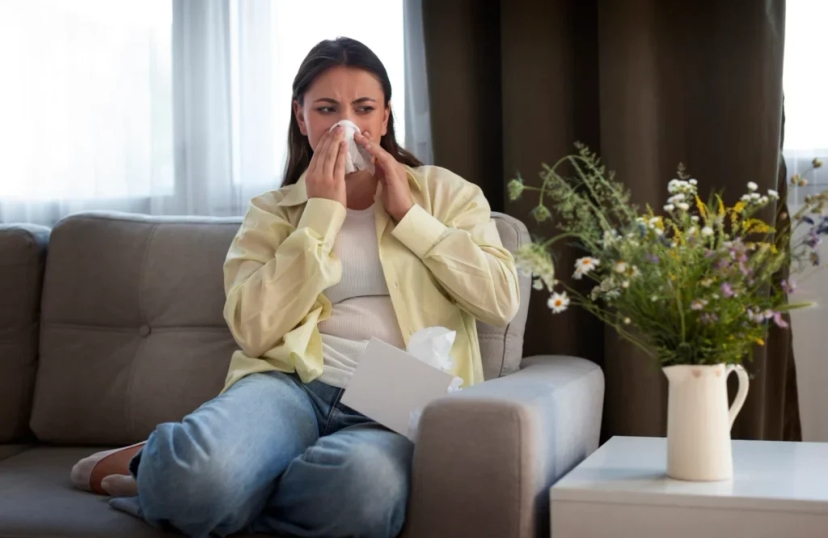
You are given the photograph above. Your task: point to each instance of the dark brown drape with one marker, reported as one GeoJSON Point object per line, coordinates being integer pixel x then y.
{"type": "Point", "coordinates": [648, 84]}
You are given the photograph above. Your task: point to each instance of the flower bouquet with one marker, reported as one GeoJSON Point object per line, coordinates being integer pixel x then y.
{"type": "Point", "coordinates": [696, 286]}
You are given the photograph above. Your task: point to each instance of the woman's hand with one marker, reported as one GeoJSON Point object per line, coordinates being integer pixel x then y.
{"type": "Point", "coordinates": [326, 171]}
{"type": "Point", "coordinates": [396, 193]}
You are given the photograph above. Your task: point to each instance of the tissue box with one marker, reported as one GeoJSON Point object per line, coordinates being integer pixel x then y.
{"type": "Point", "coordinates": [391, 385]}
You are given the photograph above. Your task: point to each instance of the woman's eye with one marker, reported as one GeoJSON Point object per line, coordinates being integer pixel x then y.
{"type": "Point", "coordinates": [365, 109]}
{"type": "Point", "coordinates": [325, 109]}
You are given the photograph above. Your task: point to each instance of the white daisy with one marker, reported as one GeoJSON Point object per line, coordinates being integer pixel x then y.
{"type": "Point", "coordinates": [558, 302]}
{"type": "Point", "coordinates": [620, 267]}
{"type": "Point", "coordinates": [585, 265]}
{"type": "Point", "coordinates": [684, 206]}
{"type": "Point", "coordinates": [707, 231]}
{"type": "Point", "coordinates": [752, 186]}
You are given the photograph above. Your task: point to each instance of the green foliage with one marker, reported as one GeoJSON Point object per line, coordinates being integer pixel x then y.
{"type": "Point", "coordinates": [696, 284]}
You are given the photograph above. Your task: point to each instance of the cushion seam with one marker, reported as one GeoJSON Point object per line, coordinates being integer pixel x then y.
{"type": "Point", "coordinates": [141, 342]}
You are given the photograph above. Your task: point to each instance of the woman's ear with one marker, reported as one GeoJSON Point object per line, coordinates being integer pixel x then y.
{"type": "Point", "coordinates": [299, 112]}
{"type": "Point", "coordinates": [385, 117]}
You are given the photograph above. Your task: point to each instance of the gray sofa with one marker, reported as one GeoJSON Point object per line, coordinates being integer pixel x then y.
{"type": "Point", "coordinates": [112, 323]}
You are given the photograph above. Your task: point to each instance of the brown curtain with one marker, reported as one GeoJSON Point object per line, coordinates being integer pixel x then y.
{"type": "Point", "coordinates": [648, 84]}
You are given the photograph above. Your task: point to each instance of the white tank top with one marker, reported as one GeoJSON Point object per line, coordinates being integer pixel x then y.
{"type": "Point", "coordinates": [362, 306]}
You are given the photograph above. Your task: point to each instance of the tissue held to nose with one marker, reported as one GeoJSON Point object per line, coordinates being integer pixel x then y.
{"type": "Point", "coordinates": [357, 158]}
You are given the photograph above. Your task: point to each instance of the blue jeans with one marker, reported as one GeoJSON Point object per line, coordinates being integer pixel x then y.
{"type": "Point", "coordinates": [274, 455]}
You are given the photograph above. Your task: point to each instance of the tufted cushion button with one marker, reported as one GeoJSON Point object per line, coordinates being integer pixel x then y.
{"type": "Point", "coordinates": [144, 331]}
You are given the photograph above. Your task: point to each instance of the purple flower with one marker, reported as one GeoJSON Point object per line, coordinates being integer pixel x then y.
{"type": "Point", "coordinates": [788, 286]}
{"type": "Point", "coordinates": [652, 258]}
{"type": "Point", "coordinates": [745, 270]}
{"type": "Point", "coordinates": [813, 239]}
{"type": "Point", "coordinates": [777, 318]}
{"type": "Point", "coordinates": [709, 254]}
{"type": "Point", "coordinates": [727, 290]}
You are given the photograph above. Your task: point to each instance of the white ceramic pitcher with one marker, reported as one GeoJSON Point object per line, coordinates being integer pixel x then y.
{"type": "Point", "coordinates": [699, 421]}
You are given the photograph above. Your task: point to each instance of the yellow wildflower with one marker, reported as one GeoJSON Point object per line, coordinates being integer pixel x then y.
{"type": "Point", "coordinates": [702, 207]}
{"type": "Point", "coordinates": [756, 226]}
{"type": "Point", "coordinates": [760, 341]}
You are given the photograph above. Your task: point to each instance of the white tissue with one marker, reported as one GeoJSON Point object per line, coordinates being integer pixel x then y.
{"type": "Point", "coordinates": [357, 158]}
{"type": "Point", "coordinates": [432, 345]}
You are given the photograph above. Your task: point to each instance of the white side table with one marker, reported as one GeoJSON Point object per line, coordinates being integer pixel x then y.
{"type": "Point", "coordinates": [779, 490]}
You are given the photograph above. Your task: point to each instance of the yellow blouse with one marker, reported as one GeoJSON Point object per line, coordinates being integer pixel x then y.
{"type": "Point", "coordinates": [444, 265]}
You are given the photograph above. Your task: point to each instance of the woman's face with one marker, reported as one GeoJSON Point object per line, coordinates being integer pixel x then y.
{"type": "Point", "coordinates": [343, 93]}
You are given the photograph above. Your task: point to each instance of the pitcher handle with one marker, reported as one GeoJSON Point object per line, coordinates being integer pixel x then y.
{"type": "Point", "coordinates": [741, 394]}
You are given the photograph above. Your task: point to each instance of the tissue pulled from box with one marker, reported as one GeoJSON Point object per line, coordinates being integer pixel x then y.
{"type": "Point", "coordinates": [432, 345]}
{"type": "Point", "coordinates": [358, 158]}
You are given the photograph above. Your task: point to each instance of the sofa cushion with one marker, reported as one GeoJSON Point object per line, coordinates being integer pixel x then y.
{"type": "Point", "coordinates": [38, 500]}
{"type": "Point", "coordinates": [502, 348]}
{"type": "Point", "coordinates": [7, 451]}
{"type": "Point", "coordinates": [132, 329]}
{"type": "Point", "coordinates": [22, 256]}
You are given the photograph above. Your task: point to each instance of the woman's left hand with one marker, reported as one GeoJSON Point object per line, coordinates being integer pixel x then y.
{"type": "Point", "coordinates": [396, 193]}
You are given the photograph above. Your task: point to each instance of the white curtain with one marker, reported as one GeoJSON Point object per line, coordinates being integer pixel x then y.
{"type": "Point", "coordinates": [417, 115]}
{"type": "Point", "coordinates": [222, 107]}
{"type": "Point", "coordinates": [173, 106]}
{"type": "Point", "coordinates": [83, 125]}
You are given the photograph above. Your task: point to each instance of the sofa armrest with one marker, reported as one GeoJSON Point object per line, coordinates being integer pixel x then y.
{"type": "Point", "coordinates": [486, 456]}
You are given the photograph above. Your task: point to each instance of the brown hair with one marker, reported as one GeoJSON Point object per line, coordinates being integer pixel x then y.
{"type": "Point", "coordinates": [345, 52]}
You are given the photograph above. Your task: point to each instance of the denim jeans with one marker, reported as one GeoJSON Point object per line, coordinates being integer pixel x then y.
{"type": "Point", "coordinates": [273, 455]}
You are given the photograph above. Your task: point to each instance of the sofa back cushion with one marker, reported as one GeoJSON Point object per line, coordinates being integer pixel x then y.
{"type": "Point", "coordinates": [502, 348]}
{"type": "Point", "coordinates": [132, 328]}
{"type": "Point", "coordinates": [22, 256]}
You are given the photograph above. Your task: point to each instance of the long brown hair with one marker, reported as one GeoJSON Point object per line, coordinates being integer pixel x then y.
{"type": "Point", "coordinates": [346, 52]}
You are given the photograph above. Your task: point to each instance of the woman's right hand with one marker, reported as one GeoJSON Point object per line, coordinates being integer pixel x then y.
{"type": "Point", "coordinates": [326, 172]}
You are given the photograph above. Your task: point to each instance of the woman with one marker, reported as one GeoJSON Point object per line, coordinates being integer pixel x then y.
{"type": "Point", "coordinates": [316, 270]}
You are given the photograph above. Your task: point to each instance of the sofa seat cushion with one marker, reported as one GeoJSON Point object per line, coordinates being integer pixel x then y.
{"type": "Point", "coordinates": [39, 501]}
{"type": "Point", "coordinates": [7, 451]}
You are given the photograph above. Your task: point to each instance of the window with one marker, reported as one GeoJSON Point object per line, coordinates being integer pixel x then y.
{"type": "Point", "coordinates": [161, 107]}
{"type": "Point", "coordinates": [806, 91]}
{"type": "Point", "coordinates": [86, 99]}
{"type": "Point", "coordinates": [376, 23]}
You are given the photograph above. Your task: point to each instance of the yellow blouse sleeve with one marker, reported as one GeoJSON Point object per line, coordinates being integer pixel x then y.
{"type": "Point", "coordinates": [274, 274]}
{"type": "Point", "coordinates": [461, 247]}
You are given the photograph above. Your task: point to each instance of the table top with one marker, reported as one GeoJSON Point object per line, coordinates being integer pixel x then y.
{"type": "Point", "coordinates": [766, 475]}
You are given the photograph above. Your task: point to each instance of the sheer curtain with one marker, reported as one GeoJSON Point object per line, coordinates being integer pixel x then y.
{"type": "Point", "coordinates": [173, 106]}
{"type": "Point", "coordinates": [85, 105]}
